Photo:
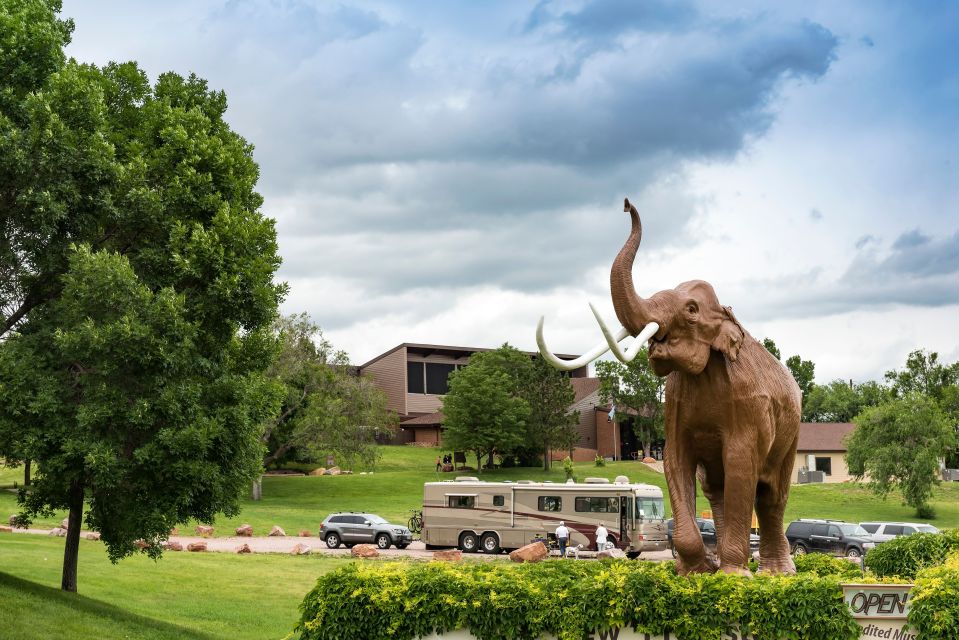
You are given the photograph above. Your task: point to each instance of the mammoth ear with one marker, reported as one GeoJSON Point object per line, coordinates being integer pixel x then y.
{"type": "Point", "coordinates": [730, 336]}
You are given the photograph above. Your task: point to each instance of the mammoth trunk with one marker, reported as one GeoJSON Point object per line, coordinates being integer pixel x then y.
{"type": "Point", "coordinates": [631, 310]}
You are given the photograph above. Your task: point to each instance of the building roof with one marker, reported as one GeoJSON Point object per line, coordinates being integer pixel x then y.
{"type": "Point", "coordinates": [427, 420]}
{"type": "Point", "coordinates": [446, 350]}
{"type": "Point", "coordinates": [824, 436]}
{"type": "Point", "coordinates": [582, 387]}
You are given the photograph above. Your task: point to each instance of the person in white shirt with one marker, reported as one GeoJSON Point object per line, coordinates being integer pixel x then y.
{"type": "Point", "coordinates": [562, 538]}
{"type": "Point", "coordinates": [601, 535]}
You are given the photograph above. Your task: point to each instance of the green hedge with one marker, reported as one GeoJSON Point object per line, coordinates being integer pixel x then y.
{"type": "Point", "coordinates": [823, 565]}
{"type": "Point", "coordinates": [934, 601]}
{"type": "Point", "coordinates": [567, 599]}
{"type": "Point", "coordinates": [905, 556]}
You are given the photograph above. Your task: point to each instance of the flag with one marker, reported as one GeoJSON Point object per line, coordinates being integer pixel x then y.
{"type": "Point", "coordinates": [611, 415]}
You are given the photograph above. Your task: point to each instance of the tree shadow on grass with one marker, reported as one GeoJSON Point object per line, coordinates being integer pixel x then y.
{"type": "Point", "coordinates": [83, 604]}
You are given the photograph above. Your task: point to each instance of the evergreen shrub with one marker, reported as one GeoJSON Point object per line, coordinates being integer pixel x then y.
{"type": "Point", "coordinates": [905, 556]}
{"type": "Point", "coordinates": [568, 599]}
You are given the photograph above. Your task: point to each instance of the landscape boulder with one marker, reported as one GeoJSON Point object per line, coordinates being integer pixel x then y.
{"type": "Point", "coordinates": [60, 532]}
{"type": "Point", "coordinates": [174, 531]}
{"type": "Point", "coordinates": [196, 546]}
{"type": "Point", "coordinates": [204, 531]}
{"type": "Point", "coordinates": [65, 523]}
{"type": "Point", "coordinates": [450, 555]}
{"type": "Point", "coordinates": [333, 471]}
{"type": "Point", "coordinates": [305, 534]}
{"type": "Point", "coordinates": [319, 471]}
{"type": "Point", "coordinates": [141, 544]}
{"type": "Point", "coordinates": [277, 532]}
{"type": "Point", "coordinates": [93, 535]}
{"type": "Point", "coordinates": [244, 548]}
{"type": "Point", "coordinates": [611, 553]}
{"type": "Point", "coordinates": [533, 552]}
{"type": "Point", "coordinates": [244, 530]}
{"type": "Point", "coordinates": [173, 546]}
{"type": "Point", "coordinates": [300, 549]}
{"type": "Point", "coordinates": [365, 551]}
{"type": "Point", "coordinates": [649, 460]}
{"type": "Point", "coordinates": [12, 520]}
{"type": "Point", "coordinates": [4, 529]}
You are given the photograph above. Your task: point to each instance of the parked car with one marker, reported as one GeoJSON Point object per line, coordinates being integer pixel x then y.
{"type": "Point", "coordinates": [707, 529]}
{"type": "Point", "coordinates": [354, 528]}
{"type": "Point", "coordinates": [883, 531]}
{"type": "Point", "coordinates": [833, 537]}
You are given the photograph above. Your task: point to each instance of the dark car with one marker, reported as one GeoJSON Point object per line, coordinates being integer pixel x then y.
{"type": "Point", "coordinates": [707, 529]}
{"type": "Point", "coordinates": [832, 537]}
{"type": "Point", "coordinates": [355, 528]}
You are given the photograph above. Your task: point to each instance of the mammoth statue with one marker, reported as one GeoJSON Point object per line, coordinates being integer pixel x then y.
{"type": "Point", "coordinates": [732, 414]}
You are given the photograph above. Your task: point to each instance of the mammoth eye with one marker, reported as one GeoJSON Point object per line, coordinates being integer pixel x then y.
{"type": "Point", "coordinates": [692, 308]}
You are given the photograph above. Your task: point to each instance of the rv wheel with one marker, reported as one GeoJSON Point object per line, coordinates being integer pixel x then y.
{"type": "Point", "coordinates": [468, 542]}
{"type": "Point", "coordinates": [490, 543]}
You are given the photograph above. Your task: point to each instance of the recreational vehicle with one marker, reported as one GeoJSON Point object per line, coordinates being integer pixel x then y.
{"type": "Point", "coordinates": [489, 516]}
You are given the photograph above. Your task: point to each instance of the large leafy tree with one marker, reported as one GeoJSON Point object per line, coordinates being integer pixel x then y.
{"type": "Point", "coordinates": [136, 295]}
{"type": "Point", "coordinates": [325, 409]}
{"type": "Point", "coordinates": [551, 425]}
{"type": "Point", "coordinates": [633, 389]}
{"type": "Point", "coordinates": [898, 444]}
{"type": "Point", "coordinates": [483, 411]}
{"type": "Point", "coordinates": [841, 401]}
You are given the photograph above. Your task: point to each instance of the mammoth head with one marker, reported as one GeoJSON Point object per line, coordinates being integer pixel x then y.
{"type": "Point", "coordinates": [682, 325]}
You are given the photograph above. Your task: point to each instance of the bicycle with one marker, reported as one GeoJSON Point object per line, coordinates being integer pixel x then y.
{"type": "Point", "coordinates": [415, 523]}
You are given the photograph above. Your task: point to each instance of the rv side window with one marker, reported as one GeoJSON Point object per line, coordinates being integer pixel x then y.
{"type": "Point", "coordinates": [462, 502]}
{"type": "Point", "coordinates": [597, 505]}
{"type": "Point", "coordinates": [550, 503]}
{"type": "Point", "coordinates": [498, 501]}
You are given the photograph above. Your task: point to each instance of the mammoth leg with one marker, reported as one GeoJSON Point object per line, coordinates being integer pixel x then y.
{"type": "Point", "coordinates": [713, 493]}
{"type": "Point", "coordinates": [739, 495]}
{"type": "Point", "coordinates": [771, 496]}
{"type": "Point", "coordinates": [681, 479]}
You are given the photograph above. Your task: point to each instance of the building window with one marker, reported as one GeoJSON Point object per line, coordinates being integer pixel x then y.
{"type": "Point", "coordinates": [597, 505]}
{"type": "Point", "coordinates": [462, 502]}
{"type": "Point", "coordinates": [437, 377]}
{"type": "Point", "coordinates": [550, 503]}
{"type": "Point", "coordinates": [414, 377]}
{"type": "Point", "coordinates": [498, 501]}
{"type": "Point", "coordinates": [824, 464]}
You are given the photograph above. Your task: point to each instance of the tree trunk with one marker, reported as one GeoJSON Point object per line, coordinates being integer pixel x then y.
{"type": "Point", "coordinates": [258, 488]}
{"type": "Point", "coordinates": [479, 462]}
{"type": "Point", "coordinates": [648, 448]}
{"type": "Point", "coordinates": [26, 473]}
{"type": "Point", "coordinates": [71, 548]}
{"type": "Point", "coordinates": [546, 460]}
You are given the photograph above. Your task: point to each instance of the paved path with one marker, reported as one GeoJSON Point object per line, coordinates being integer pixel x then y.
{"type": "Point", "coordinates": [266, 544]}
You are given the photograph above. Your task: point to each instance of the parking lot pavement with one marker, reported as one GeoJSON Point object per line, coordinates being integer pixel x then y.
{"type": "Point", "coordinates": [265, 544]}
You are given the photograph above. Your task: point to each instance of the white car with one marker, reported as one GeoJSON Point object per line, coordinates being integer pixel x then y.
{"type": "Point", "coordinates": [884, 531]}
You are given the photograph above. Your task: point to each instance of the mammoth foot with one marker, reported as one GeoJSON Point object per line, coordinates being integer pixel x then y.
{"type": "Point", "coordinates": [709, 564]}
{"type": "Point", "coordinates": [781, 564]}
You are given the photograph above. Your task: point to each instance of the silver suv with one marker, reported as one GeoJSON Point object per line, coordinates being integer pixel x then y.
{"type": "Point", "coordinates": [354, 528]}
{"type": "Point", "coordinates": [883, 531]}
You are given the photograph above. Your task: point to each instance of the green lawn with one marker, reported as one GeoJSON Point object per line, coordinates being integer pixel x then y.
{"type": "Point", "coordinates": [297, 503]}
{"type": "Point", "coordinates": [188, 596]}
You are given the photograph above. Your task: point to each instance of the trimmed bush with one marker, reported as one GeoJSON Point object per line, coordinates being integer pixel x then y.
{"type": "Point", "coordinates": [934, 601]}
{"type": "Point", "coordinates": [905, 556]}
{"type": "Point", "coordinates": [823, 565]}
{"type": "Point", "coordinates": [567, 599]}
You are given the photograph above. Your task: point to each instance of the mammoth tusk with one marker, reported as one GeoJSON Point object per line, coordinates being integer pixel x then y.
{"type": "Point", "coordinates": [613, 341]}
{"type": "Point", "coordinates": [569, 365]}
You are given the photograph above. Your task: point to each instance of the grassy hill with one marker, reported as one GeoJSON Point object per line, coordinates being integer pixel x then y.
{"type": "Point", "coordinates": [184, 596]}
{"type": "Point", "coordinates": [396, 486]}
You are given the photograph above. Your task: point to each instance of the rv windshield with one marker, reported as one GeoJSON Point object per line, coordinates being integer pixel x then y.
{"type": "Point", "coordinates": [649, 508]}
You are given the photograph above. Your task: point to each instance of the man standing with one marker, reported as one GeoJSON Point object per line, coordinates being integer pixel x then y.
{"type": "Point", "coordinates": [562, 538]}
{"type": "Point", "coordinates": [601, 534]}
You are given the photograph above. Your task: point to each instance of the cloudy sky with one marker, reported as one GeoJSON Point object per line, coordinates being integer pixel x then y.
{"type": "Point", "coordinates": [447, 172]}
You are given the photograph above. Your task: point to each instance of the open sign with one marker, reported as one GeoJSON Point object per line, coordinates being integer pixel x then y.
{"type": "Point", "coordinates": [883, 601]}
